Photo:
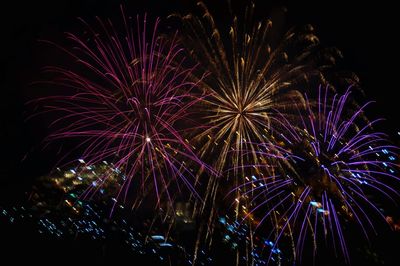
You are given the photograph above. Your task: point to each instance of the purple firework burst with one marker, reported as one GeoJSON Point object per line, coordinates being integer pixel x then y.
{"type": "Point", "coordinates": [329, 166]}
{"type": "Point", "coordinates": [129, 103]}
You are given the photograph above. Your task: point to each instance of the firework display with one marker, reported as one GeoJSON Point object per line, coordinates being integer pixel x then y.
{"type": "Point", "coordinates": [336, 169]}
{"type": "Point", "coordinates": [206, 137]}
{"type": "Point", "coordinates": [249, 81]}
{"type": "Point", "coordinates": [127, 101]}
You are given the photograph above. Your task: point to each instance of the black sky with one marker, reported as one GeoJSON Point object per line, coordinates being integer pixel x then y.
{"type": "Point", "coordinates": [365, 32]}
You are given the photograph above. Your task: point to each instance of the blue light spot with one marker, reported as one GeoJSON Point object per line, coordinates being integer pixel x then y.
{"type": "Point", "coordinates": [222, 220]}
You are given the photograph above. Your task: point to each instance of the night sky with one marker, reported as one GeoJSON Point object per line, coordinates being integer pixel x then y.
{"type": "Point", "coordinates": [366, 33]}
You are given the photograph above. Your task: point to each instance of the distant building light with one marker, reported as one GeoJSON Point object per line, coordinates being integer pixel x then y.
{"type": "Point", "coordinates": [222, 220]}
{"type": "Point", "coordinates": [157, 237]}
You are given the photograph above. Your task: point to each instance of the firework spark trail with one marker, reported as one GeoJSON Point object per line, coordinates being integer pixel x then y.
{"type": "Point", "coordinates": [247, 81]}
{"type": "Point", "coordinates": [329, 169]}
{"type": "Point", "coordinates": [130, 100]}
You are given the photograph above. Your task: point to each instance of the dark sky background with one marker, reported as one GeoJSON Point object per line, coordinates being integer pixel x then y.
{"type": "Point", "coordinates": [365, 32]}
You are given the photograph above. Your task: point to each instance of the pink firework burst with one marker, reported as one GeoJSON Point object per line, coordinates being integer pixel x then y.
{"type": "Point", "coordinates": [130, 104]}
